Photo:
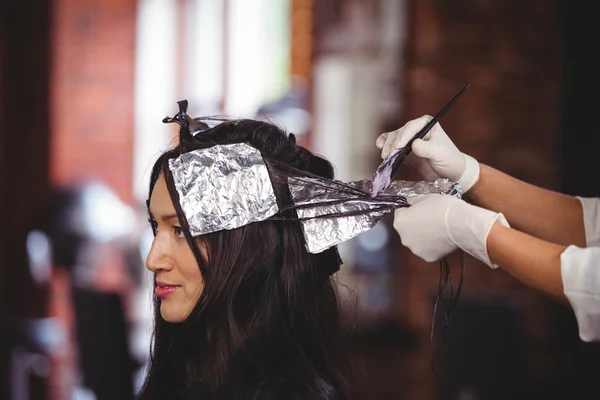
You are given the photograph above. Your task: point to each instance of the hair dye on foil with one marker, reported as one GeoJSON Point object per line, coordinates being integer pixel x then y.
{"type": "Point", "coordinates": [330, 216]}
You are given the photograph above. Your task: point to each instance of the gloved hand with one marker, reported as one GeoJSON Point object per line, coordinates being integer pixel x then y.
{"type": "Point", "coordinates": [435, 156]}
{"type": "Point", "coordinates": [435, 225]}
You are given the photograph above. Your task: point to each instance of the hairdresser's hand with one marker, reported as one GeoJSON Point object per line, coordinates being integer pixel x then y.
{"type": "Point", "coordinates": [434, 157]}
{"type": "Point", "coordinates": [435, 225]}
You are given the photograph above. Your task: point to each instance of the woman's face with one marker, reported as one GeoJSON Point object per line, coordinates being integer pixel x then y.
{"type": "Point", "coordinates": [178, 281]}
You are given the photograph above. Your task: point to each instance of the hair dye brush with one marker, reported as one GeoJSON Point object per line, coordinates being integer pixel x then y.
{"type": "Point", "coordinates": [388, 168]}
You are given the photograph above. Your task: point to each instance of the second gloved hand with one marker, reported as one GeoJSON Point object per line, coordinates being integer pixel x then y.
{"type": "Point", "coordinates": [436, 156]}
{"type": "Point", "coordinates": [436, 225]}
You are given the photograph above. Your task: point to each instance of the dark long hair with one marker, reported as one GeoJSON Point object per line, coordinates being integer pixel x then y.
{"type": "Point", "coordinates": [268, 323]}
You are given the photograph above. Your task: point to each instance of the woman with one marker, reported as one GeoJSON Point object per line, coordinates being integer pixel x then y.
{"type": "Point", "coordinates": [244, 313]}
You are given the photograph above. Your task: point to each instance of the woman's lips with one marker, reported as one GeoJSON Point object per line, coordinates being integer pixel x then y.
{"type": "Point", "coordinates": [164, 289]}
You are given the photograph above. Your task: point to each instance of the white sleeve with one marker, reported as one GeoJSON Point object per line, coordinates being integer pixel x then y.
{"type": "Point", "coordinates": [580, 270]}
{"type": "Point", "coordinates": [591, 219]}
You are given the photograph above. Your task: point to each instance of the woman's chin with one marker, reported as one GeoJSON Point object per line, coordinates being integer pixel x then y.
{"type": "Point", "coordinates": [171, 316]}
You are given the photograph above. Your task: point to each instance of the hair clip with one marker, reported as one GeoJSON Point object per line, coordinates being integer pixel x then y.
{"type": "Point", "coordinates": [188, 127]}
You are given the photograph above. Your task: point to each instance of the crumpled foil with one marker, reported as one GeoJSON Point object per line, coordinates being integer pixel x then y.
{"type": "Point", "coordinates": [228, 186]}
{"type": "Point", "coordinates": [223, 187]}
{"type": "Point", "coordinates": [415, 188]}
{"type": "Point", "coordinates": [323, 233]}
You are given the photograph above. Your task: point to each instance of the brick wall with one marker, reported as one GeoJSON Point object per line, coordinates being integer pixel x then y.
{"type": "Point", "coordinates": [510, 118]}
{"type": "Point", "coordinates": [92, 109]}
{"type": "Point", "coordinates": [92, 92]}
{"type": "Point", "coordinates": [513, 60]}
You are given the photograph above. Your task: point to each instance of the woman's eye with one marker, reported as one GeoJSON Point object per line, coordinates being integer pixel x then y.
{"type": "Point", "coordinates": [178, 231]}
{"type": "Point", "coordinates": [154, 226]}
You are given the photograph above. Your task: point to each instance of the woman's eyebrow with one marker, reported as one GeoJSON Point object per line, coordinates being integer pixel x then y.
{"type": "Point", "coordinates": [164, 217]}
{"type": "Point", "coordinates": [168, 217]}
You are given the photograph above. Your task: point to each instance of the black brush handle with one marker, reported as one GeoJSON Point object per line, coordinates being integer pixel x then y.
{"type": "Point", "coordinates": [421, 134]}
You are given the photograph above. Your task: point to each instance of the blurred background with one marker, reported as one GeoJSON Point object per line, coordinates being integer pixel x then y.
{"type": "Point", "coordinates": [85, 84]}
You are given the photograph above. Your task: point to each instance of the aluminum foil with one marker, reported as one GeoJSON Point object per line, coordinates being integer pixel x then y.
{"type": "Point", "coordinates": [223, 187]}
{"type": "Point", "coordinates": [228, 186]}
{"type": "Point", "coordinates": [415, 188]}
{"type": "Point", "coordinates": [323, 233]}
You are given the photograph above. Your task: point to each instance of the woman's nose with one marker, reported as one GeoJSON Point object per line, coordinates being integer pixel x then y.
{"type": "Point", "coordinates": [158, 257]}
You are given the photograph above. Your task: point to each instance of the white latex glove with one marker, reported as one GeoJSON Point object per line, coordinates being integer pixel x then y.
{"type": "Point", "coordinates": [436, 225]}
{"type": "Point", "coordinates": [433, 157]}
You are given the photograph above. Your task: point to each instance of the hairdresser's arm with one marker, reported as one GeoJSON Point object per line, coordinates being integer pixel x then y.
{"type": "Point", "coordinates": [542, 213]}
{"type": "Point", "coordinates": [570, 274]}
{"type": "Point", "coordinates": [545, 214]}
{"type": "Point", "coordinates": [435, 225]}
{"type": "Point", "coordinates": [533, 261]}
